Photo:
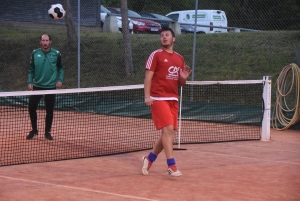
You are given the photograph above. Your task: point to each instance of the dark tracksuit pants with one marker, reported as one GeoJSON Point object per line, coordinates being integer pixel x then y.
{"type": "Point", "coordinates": [32, 107]}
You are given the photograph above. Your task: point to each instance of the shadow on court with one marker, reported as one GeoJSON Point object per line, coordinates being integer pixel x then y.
{"type": "Point", "coordinates": [235, 171]}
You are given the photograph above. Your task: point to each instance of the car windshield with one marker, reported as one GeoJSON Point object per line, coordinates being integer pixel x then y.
{"type": "Point", "coordinates": [161, 17]}
{"type": "Point", "coordinates": [174, 17]}
{"type": "Point", "coordinates": [113, 11]}
{"type": "Point", "coordinates": [131, 13]}
{"type": "Point", "coordinates": [104, 10]}
{"type": "Point", "coordinates": [146, 15]}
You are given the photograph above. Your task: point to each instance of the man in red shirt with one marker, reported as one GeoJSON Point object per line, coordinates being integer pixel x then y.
{"type": "Point", "coordinates": [165, 72]}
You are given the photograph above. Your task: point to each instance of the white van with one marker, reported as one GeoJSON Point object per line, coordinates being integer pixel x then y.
{"type": "Point", "coordinates": [204, 17]}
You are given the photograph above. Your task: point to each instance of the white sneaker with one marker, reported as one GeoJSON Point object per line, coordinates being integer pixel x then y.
{"type": "Point", "coordinates": [146, 165]}
{"type": "Point", "coordinates": [173, 171]}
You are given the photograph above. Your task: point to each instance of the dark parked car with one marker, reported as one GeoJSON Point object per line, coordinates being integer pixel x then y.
{"type": "Point", "coordinates": [161, 19]}
{"type": "Point", "coordinates": [139, 25]}
{"type": "Point", "coordinates": [165, 22]}
{"type": "Point", "coordinates": [185, 28]}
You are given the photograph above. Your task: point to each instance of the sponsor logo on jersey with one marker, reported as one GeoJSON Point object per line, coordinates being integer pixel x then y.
{"type": "Point", "coordinates": [173, 73]}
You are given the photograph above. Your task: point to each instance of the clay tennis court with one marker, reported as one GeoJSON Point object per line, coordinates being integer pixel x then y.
{"type": "Point", "coordinates": [242, 170]}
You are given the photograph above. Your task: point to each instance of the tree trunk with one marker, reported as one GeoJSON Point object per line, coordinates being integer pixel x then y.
{"type": "Point", "coordinates": [72, 36]}
{"type": "Point", "coordinates": [126, 38]}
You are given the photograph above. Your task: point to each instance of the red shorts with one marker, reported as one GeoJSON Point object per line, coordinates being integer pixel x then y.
{"type": "Point", "coordinates": [165, 113]}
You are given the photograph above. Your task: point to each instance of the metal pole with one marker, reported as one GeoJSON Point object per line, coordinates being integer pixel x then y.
{"type": "Point", "coordinates": [78, 44]}
{"type": "Point", "coordinates": [194, 42]}
{"type": "Point", "coordinates": [180, 107]}
{"type": "Point", "coordinates": [194, 50]}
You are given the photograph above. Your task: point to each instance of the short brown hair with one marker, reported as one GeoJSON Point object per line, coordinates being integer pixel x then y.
{"type": "Point", "coordinates": [168, 29]}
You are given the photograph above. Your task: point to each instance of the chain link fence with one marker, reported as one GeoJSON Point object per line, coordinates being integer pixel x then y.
{"type": "Point", "coordinates": [260, 40]}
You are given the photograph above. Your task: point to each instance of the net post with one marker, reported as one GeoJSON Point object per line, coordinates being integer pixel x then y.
{"type": "Point", "coordinates": [265, 131]}
{"type": "Point", "coordinates": [179, 122]}
{"type": "Point", "coordinates": [179, 126]}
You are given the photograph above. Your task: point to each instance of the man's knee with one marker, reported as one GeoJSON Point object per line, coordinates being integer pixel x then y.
{"type": "Point", "coordinates": [168, 130]}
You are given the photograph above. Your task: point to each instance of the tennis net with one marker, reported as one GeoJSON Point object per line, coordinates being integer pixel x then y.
{"type": "Point", "coordinates": [111, 120]}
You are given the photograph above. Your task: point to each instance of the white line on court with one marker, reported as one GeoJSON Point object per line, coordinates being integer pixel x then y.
{"type": "Point", "coordinates": [261, 159]}
{"type": "Point", "coordinates": [77, 188]}
{"type": "Point", "coordinates": [277, 149]}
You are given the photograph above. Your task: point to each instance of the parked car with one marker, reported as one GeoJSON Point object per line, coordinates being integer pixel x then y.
{"type": "Point", "coordinates": [140, 25]}
{"type": "Point", "coordinates": [165, 22]}
{"type": "Point", "coordinates": [185, 28]}
{"type": "Point", "coordinates": [104, 12]}
{"type": "Point", "coordinates": [209, 18]}
{"type": "Point", "coordinates": [162, 20]}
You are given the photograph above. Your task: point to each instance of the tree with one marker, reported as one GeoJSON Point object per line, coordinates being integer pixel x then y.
{"type": "Point", "coordinates": [72, 36]}
{"type": "Point", "coordinates": [126, 38]}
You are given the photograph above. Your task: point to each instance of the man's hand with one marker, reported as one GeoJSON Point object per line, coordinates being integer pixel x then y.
{"type": "Point", "coordinates": [184, 74]}
{"type": "Point", "coordinates": [148, 101]}
{"type": "Point", "coordinates": [58, 84]}
{"type": "Point", "coordinates": [30, 87]}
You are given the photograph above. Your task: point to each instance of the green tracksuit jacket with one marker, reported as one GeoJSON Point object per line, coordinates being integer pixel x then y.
{"type": "Point", "coordinates": [46, 68]}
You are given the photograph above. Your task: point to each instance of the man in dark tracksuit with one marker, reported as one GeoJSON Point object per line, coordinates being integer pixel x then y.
{"type": "Point", "coordinates": [45, 73]}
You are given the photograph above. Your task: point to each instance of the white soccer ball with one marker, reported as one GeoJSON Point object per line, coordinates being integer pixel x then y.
{"type": "Point", "coordinates": [57, 12]}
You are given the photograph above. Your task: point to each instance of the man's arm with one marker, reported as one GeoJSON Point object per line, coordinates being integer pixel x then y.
{"type": "Point", "coordinates": [60, 71]}
{"type": "Point", "coordinates": [147, 86]}
{"type": "Point", "coordinates": [31, 73]}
